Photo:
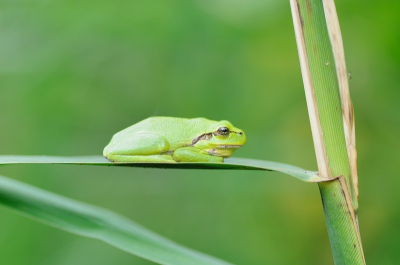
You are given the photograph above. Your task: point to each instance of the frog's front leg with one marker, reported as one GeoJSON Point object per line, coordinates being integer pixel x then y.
{"type": "Point", "coordinates": [193, 154]}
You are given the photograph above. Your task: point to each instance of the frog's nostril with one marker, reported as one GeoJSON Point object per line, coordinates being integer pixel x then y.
{"type": "Point", "coordinates": [240, 133]}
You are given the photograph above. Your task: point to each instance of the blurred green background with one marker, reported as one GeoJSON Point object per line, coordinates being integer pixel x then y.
{"type": "Point", "coordinates": [72, 73]}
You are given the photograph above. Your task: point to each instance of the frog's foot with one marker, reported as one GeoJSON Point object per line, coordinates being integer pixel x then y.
{"type": "Point", "coordinates": [144, 159]}
{"type": "Point", "coordinates": [193, 154]}
{"type": "Point", "coordinates": [217, 159]}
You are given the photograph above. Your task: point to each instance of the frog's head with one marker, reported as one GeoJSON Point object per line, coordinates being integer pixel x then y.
{"type": "Point", "coordinates": [221, 139]}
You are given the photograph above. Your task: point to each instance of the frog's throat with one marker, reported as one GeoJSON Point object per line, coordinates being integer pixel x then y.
{"type": "Point", "coordinates": [223, 150]}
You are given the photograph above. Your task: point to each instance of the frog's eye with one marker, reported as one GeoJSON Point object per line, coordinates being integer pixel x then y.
{"type": "Point", "coordinates": [223, 131]}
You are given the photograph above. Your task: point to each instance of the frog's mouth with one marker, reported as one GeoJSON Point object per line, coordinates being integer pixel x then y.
{"type": "Point", "coordinates": [228, 146]}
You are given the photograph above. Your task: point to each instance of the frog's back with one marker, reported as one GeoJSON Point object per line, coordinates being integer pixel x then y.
{"type": "Point", "coordinates": [168, 126]}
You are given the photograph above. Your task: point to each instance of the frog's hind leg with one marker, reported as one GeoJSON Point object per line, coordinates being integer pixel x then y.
{"type": "Point", "coordinates": [143, 147]}
{"type": "Point", "coordinates": [150, 158]}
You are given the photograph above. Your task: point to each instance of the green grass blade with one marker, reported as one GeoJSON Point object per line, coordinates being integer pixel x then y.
{"type": "Point", "coordinates": [230, 163]}
{"type": "Point", "coordinates": [91, 221]}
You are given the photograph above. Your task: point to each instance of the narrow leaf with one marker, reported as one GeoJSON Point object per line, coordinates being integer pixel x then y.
{"type": "Point", "coordinates": [230, 163]}
{"type": "Point", "coordinates": [91, 221]}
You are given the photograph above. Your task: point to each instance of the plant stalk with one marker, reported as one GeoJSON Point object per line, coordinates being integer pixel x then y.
{"type": "Point", "coordinates": [330, 110]}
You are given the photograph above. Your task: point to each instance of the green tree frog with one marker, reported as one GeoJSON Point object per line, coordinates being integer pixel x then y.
{"type": "Point", "coordinates": [170, 140]}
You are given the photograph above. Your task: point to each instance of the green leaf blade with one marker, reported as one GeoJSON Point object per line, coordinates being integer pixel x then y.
{"type": "Point", "coordinates": [230, 163]}
{"type": "Point", "coordinates": [91, 221]}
